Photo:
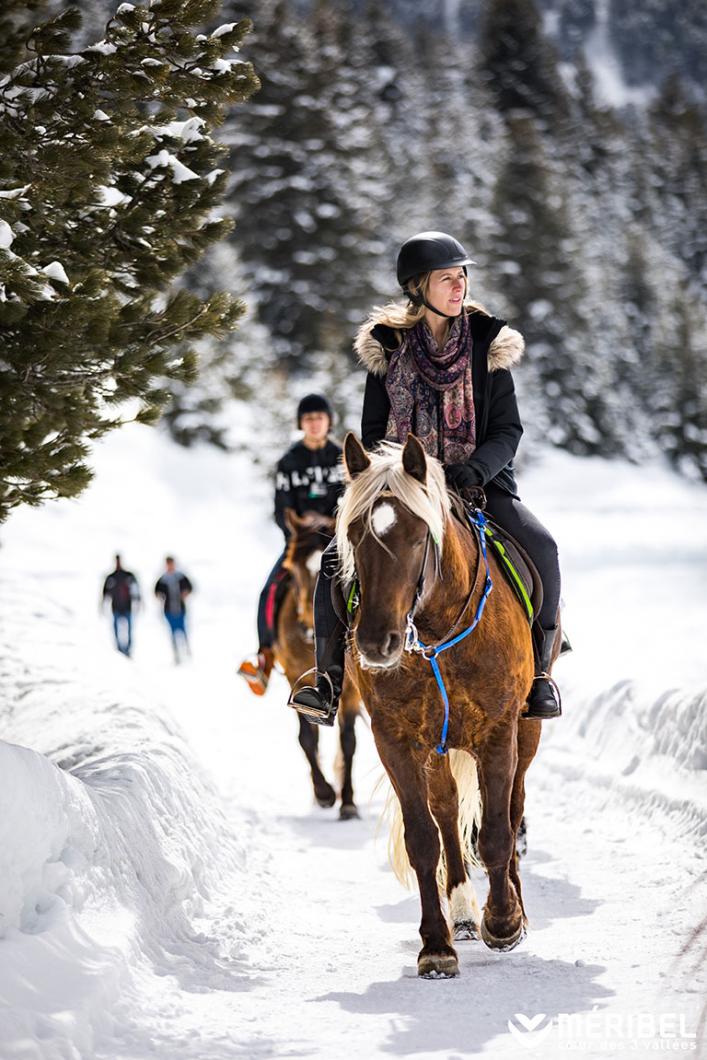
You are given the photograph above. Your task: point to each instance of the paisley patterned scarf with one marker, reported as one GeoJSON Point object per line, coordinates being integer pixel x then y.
{"type": "Point", "coordinates": [431, 393]}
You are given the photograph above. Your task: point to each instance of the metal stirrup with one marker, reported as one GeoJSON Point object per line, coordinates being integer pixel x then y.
{"type": "Point", "coordinates": [303, 708]}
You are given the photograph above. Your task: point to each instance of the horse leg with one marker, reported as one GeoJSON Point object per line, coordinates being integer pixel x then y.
{"type": "Point", "coordinates": [528, 740]}
{"type": "Point", "coordinates": [309, 742]}
{"type": "Point", "coordinates": [444, 803]}
{"type": "Point", "coordinates": [347, 739]}
{"type": "Point", "coordinates": [437, 958]}
{"type": "Point", "coordinates": [502, 925]}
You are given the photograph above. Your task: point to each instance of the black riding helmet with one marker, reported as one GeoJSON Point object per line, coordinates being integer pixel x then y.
{"type": "Point", "coordinates": [426, 252]}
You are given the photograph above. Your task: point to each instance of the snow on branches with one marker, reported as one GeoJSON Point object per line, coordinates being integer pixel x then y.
{"type": "Point", "coordinates": [109, 188]}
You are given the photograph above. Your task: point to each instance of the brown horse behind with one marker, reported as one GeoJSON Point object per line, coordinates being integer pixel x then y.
{"type": "Point", "coordinates": [294, 650]}
{"type": "Point", "coordinates": [396, 536]}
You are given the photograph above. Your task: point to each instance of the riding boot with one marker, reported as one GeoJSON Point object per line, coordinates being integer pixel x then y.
{"type": "Point", "coordinates": [319, 703]}
{"type": "Point", "coordinates": [544, 699]}
{"type": "Point", "coordinates": [256, 671]}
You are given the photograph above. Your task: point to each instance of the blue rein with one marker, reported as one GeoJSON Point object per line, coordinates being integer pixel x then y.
{"type": "Point", "coordinates": [429, 652]}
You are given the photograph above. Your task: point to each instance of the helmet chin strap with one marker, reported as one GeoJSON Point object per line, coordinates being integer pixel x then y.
{"type": "Point", "coordinates": [448, 316]}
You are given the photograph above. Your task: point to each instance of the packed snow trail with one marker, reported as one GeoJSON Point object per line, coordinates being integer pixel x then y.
{"type": "Point", "coordinates": [171, 891]}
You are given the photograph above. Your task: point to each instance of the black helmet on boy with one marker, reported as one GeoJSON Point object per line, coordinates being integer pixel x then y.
{"type": "Point", "coordinates": [426, 252]}
{"type": "Point", "coordinates": [314, 403]}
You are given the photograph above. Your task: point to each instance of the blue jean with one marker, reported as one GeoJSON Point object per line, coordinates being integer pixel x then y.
{"type": "Point", "coordinates": [123, 622]}
{"type": "Point", "coordinates": [177, 623]}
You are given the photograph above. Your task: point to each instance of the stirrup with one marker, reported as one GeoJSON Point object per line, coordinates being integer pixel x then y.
{"type": "Point", "coordinates": [527, 713]}
{"type": "Point", "coordinates": [317, 715]}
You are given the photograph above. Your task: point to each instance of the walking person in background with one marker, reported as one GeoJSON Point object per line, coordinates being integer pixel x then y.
{"type": "Point", "coordinates": [309, 478]}
{"type": "Point", "coordinates": [122, 589]}
{"type": "Point", "coordinates": [172, 588]}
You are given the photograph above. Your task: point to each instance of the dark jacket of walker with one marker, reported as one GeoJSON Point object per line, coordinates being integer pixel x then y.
{"type": "Point", "coordinates": [496, 349]}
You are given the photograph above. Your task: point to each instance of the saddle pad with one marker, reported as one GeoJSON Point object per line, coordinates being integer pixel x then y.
{"type": "Point", "coordinates": [518, 568]}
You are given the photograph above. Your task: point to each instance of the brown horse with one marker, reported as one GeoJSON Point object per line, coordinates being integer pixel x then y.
{"type": "Point", "coordinates": [422, 579]}
{"type": "Point", "coordinates": [294, 650]}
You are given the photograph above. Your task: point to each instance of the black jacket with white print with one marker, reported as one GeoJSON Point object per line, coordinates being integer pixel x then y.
{"type": "Point", "coordinates": [308, 480]}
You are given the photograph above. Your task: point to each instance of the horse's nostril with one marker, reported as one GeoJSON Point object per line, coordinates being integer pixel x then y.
{"type": "Point", "coordinates": [392, 646]}
{"type": "Point", "coordinates": [381, 647]}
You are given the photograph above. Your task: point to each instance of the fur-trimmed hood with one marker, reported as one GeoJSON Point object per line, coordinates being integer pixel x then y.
{"type": "Point", "coordinates": [505, 351]}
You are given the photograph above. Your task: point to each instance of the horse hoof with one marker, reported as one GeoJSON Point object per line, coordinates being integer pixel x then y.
{"type": "Point", "coordinates": [437, 966]}
{"type": "Point", "coordinates": [466, 931]}
{"type": "Point", "coordinates": [325, 798]}
{"type": "Point", "coordinates": [502, 944]}
{"type": "Point", "coordinates": [348, 811]}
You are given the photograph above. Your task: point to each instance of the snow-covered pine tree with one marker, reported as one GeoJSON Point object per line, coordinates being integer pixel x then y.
{"type": "Point", "coordinates": [544, 290]}
{"type": "Point", "coordinates": [677, 148]}
{"type": "Point", "coordinates": [108, 187]}
{"type": "Point", "coordinates": [519, 63]}
{"type": "Point", "coordinates": [17, 18]}
{"type": "Point", "coordinates": [310, 203]}
{"type": "Point", "coordinates": [681, 423]}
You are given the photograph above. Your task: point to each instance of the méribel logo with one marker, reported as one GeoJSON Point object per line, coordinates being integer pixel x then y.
{"type": "Point", "coordinates": [528, 1030]}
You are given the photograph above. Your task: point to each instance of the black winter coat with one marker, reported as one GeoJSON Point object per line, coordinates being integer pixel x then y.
{"type": "Point", "coordinates": [498, 428]}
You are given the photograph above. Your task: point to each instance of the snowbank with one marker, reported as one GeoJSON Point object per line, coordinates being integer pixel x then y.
{"type": "Point", "coordinates": [113, 856]}
{"type": "Point", "coordinates": [47, 827]}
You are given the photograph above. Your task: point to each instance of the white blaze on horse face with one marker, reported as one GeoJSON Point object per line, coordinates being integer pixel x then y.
{"type": "Point", "coordinates": [314, 562]}
{"type": "Point", "coordinates": [384, 516]}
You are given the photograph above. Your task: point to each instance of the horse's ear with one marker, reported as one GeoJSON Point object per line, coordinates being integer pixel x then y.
{"type": "Point", "coordinates": [292, 520]}
{"type": "Point", "coordinates": [414, 459]}
{"type": "Point", "coordinates": [355, 456]}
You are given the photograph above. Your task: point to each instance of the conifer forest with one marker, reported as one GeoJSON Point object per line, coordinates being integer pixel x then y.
{"type": "Point", "coordinates": [201, 201]}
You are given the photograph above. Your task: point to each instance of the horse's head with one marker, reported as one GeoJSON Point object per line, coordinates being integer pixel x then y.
{"type": "Point", "coordinates": [309, 535]}
{"type": "Point", "coordinates": [390, 525]}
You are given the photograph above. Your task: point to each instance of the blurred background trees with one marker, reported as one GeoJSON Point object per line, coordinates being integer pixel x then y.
{"type": "Point", "coordinates": [563, 141]}
{"type": "Point", "coordinates": [573, 171]}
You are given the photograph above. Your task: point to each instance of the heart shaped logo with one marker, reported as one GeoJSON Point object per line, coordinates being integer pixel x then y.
{"type": "Point", "coordinates": [530, 1033]}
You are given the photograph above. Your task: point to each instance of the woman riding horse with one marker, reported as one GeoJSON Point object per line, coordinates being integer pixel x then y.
{"type": "Point", "coordinates": [439, 368]}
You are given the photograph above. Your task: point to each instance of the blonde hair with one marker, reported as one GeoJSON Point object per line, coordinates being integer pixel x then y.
{"type": "Point", "coordinates": [404, 315]}
{"type": "Point", "coordinates": [429, 501]}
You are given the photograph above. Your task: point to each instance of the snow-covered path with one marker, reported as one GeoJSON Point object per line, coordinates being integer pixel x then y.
{"type": "Point", "coordinates": [180, 897]}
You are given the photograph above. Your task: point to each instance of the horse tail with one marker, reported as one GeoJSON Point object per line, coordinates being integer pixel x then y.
{"type": "Point", "coordinates": [463, 768]}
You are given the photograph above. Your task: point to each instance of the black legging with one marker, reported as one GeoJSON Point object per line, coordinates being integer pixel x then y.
{"type": "Point", "coordinates": [530, 533]}
{"type": "Point", "coordinates": [509, 513]}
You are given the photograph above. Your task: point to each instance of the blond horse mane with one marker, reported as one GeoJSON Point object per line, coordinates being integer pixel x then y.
{"type": "Point", "coordinates": [386, 475]}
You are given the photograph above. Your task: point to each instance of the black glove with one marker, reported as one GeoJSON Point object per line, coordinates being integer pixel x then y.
{"type": "Point", "coordinates": [462, 477]}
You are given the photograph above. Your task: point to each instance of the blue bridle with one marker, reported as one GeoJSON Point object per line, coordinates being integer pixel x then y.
{"type": "Point", "coordinates": [430, 652]}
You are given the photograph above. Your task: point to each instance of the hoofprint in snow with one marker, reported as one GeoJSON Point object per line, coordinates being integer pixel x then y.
{"type": "Point", "coordinates": [168, 890]}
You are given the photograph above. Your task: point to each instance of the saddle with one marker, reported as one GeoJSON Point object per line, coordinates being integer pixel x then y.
{"type": "Point", "coordinates": [517, 566]}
